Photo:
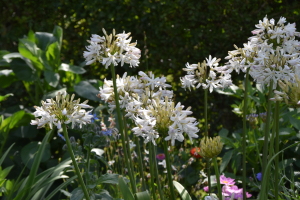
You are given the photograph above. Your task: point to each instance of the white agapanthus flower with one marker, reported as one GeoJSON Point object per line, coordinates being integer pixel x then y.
{"type": "Point", "coordinates": [112, 49]}
{"type": "Point", "coordinates": [272, 54]}
{"type": "Point", "coordinates": [197, 75]}
{"type": "Point", "coordinates": [63, 110]}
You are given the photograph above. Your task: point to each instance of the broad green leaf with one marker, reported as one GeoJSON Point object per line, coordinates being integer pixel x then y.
{"type": "Point", "coordinates": [286, 131]}
{"type": "Point", "coordinates": [126, 193]}
{"type": "Point", "coordinates": [44, 39]}
{"type": "Point", "coordinates": [295, 122]}
{"type": "Point", "coordinates": [28, 152]}
{"type": "Point", "coordinates": [60, 187]}
{"type": "Point", "coordinates": [1, 183]}
{"type": "Point", "coordinates": [5, 172]}
{"type": "Point", "coordinates": [7, 77]}
{"type": "Point", "coordinates": [22, 70]}
{"type": "Point", "coordinates": [182, 191]}
{"type": "Point", "coordinates": [53, 93]}
{"type": "Point", "coordinates": [225, 160]}
{"type": "Point", "coordinates": [28, 131]}
{"type": "Point", "coordinates": [142, 196]}
{"type": "Point", "coordinates": [108, 178]}
{"type": "Point", "coordinates": [29, 50]}
{"type": "Point", "coordinates": [20, 118]}
{"type": "Point", "coordinates": [53, 55]}
{"type": "Point", "coordinates": [99, 152]}
{"type": "Point", "coordinates": [71, 68]}
{"type": "Point", "coordinates": [52, 78]}
{"type": "Point", "coordinates": [58, 33]}
{"type": "Point", "coordinates": [6, 58]}
{"type": "Point", "coordinates": [104, 194]}
{"type": "Point", "coordinates": [68, 194]}
{"type": "Point", "coordinates": [3, 98]}
{"type": "Point", "coordinates": [223, 132]}
{"type": "Point", "coordinates": [5, 154]}
{"type": "Point", "coordinates": [86, 90]}
{"type": "Point", "coordinates": [77, 194]}
{"type": "Point", "coordinates": [31, 36]}
{"type": "Point", "coordinates": [4, 127]}
{"type": "Point", "coordinates": [3, 53]}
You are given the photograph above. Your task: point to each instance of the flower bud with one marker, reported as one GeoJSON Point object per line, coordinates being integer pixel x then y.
{"type": "Point", "coordinates": [210, 148]}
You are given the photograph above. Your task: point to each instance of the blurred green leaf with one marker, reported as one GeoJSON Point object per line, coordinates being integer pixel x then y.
{"type": "Point", "coordinates": [5, 172]}
{"type": "Point", "coordinates": [71, 68]}
{"type": "Point", "coordinates": [58, 33]}
{"type": "Point", "coordinates": [223, 132]}
{"type": "Point", "coordinates": [53, 93]}
{"type": "Point", "coordinates": [52, 78]}
{"type": "Point", "coordinates": [181, 190]}
{"type": "Point", "coordinates": [108, 178]}
{"type": "Point", "coordinates": [29, 50]}
{"type": "Point", "coordinates": [126, 193]}
{"type": "Point", "coordinates": [53, 55]}
{"type": "Point", "coordinates": [31, 36]}
{"type": "Point", "coordinates": [29, 151]}
{"type": "Point", "coordinates": [3, 98]}
{"type": "Point", "coordinates": [44, 39]}
{"type": "Point", "coordinates": [28, 131]}
{"type": "Point", "coordinates": [295, 122]}
{"type": "Point", "coordinates": [77, 194]}
{"type": "Point", "coordinates": [23, 71]}
{"type": "Point", "coordinates": [225, 160]}
{"type": "Point", "coordinates": [86, 90]}
{"type": "Point", "coordinates": [7, 77]}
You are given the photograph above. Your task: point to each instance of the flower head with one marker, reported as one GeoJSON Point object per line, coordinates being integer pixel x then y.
{"type": "Point", "coordinates": [258, 176]}
{"type": "Point", "coordinates": [210, 148]}
{"type": "Point", "coordinates": [226, 181]}
{"type": "Point", "coordinates": [160, 156]}
{"type": "Point", "coordinates": [194, 152]}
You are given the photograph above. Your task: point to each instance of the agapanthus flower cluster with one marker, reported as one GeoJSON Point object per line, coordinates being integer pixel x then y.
{"type": "Point", "coordinates": [112, 49]}
{"type": "Point", "coordinates": [197, 75]}
{"type": "Point", "coordinates": [290, 93]}
{"type": "Point", "coordinates": [210, 147]}
{"type": "Point", "coordinates": [63, 110]}
{"type": "Point", "coordinates": [252, 119]}
{"type": "Point", "coordinates": [271, 54]}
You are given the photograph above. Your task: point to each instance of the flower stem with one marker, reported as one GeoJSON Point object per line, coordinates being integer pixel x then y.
{"type": "Point", "coordinates": [88, 165]}
{"type": "Point", "coordinates": [169, 170]}
{"type": "Point", "coordinates": [140, 163]}
{"type": "Point", "coordinates": [244, 133]}
{"type": "Point", "coordinates": [267, 131]}
{"type": "Point", "coordinates": [206, 136]}
{"type": "Point", "coordinates": [75, 163]}
{"type": "Point", "coordinates": [112, 67]}
{"type": "Point", "coordinates": [217, 177]}
{"type": "Point", "coordinates": [151, 170]}
{"type": "Point", "coordinates": [128, 147]}
{"type": "Point", "coordinates": [277, 149]}
{"type": "Point", "coordinates": [161, 194]}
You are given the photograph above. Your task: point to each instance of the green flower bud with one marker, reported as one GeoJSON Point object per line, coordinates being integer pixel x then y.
{"type": "Point", "coordinates": [210, 148]}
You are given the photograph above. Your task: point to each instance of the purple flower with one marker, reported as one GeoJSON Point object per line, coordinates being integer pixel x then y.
{"type": "Point", "coordinates": [206, 188]}
{"type": "Point", "coordinates": [258, 176]}
{"type": "Point", "coordinates": [160, 156]}
{"type": "Point", "coordinates": [226, 181]}
{"type": "Point", "coordinates": [238, 192]}
{"type": "Point", "coordinates": [94, 117]}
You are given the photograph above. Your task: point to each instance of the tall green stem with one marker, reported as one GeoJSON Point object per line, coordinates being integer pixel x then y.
{"type": "Point", "coordinates": [267, 130]}
{"type": "Point", "coordinates": [169, 170]}
{"type": "Point", "coordinates": [86, 194]}
{"type": "Point", "coordinates": [128, 147]}
{"type": "Point", "coordinates": [88, 165]}
{"type": "Point", "coordinates": [161, 194]}
{"type": "Point", "coordinates": [217, 177]}
{"type": "Point", "coordinates": [121, 128]}
{"type": "Point", "coordinates": [244, 133]}
{"type": "Point", "coordinates": [206, 136]}
{"type": "Point", "coordinates": [140, 163]}
{"type": "Point", "coordinates": [151, 170]}
{"type": "Point", "coordinates": [276, 150]}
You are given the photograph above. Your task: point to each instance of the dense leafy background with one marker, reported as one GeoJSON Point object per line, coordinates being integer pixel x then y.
{"type": "Point", "coordinates": [177, 32]}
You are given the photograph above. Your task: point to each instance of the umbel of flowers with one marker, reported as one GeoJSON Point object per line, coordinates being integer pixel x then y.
{"type": "Point", "coordinates": [112, 49]}
{"type": "Point", "coordinates": [63, 110]}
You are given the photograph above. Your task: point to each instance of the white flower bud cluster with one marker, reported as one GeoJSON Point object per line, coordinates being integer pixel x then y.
{"type": "Point", "coordinates": [271, 54]}
{"type": "Point", "coordinates": [63, 110]}
{"type": "Point", "coordinates": [197, 75]}
{"type": "Point", "coordinates": [149, 104]}
{"type": "Point", "coordinates": [112, 49]}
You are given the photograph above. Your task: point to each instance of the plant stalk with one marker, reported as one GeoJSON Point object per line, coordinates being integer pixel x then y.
{"type": "Point", "coordinates": [206, 136]}
{"type": "Point", "coordinates": [277, 150]}
{"type": "Point", "coordinates": [86, 194]}
{"type": "Point", "coordinates": [112, 67]}
{"type": "Point", "coordinates": [161, 194]}
{"type": "Point", "coordinates": [217, 177]}
{"type": "Point", "coordinates": [244, 133]}
{"type": "Point", "coordinates": [140, 163]}
{"type": "Point", "coordinates": [169, 170]}
{"type": "Point", "coordinates": [151, 170]}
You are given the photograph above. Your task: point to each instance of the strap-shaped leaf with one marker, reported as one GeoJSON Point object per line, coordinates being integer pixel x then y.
{"type": "Point", "coordinates": [182, 191]}
{"type": "Point", "coordinates": [142, 196]}
{"type": "Point", "coordinates": [127, 194]}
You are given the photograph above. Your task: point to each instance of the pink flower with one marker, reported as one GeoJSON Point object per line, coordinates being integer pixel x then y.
{"type": "Point", "coordinates": [240, 195]}
{"type": "Point", "coordinates": [226, 181]}
{"type": "Point", "coordinates": [160, 156]}
{"type": "Point", "coordinates": [238, 192]}
{"type": "Point", "coordinates": [206, 188]}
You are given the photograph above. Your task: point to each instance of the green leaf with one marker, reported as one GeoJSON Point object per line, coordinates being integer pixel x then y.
{"type": "Point", "coordinates": [3, 98]}
{"type": "Point", "coordinates": [58, 33]}
{"type": "Point", "coordinates": [108, 178]}
{"type": "Point", "coordinates": [77, 194]}
{"type": "Point", "coordinates": [99, 152]}
{"type": "Point", "coordinates": [295, 122]}
{"type": "Point", "coordinates": [7, 77]}
{"type": "Point", "coordinates": [5, 172]}
{"type": "Point", "coordinates": [52, 78]}
{"type": "Point", "coordinates": [125, 189]}
{"type": "Point", "coordinates": [7, 58]}
{"type": "Point", "coordinates": [68, 194]}
{"type": "Point", "coordinates": [286, 131]}
{"type": "Point", "coordinates": [5, 154]}
{"type": "Point", "coordinates": [86, 90]}
{"type": "Point", "coordinates": [142, 196]}
{"type": "Point", "coordinates": [28, 153]}
{"type": "Point", "coordinates": [28, 131]}
{"type": "Point", "coordinates": [20, 118]}
{"type": "Point", "coordinates": [31, 36]}
{"type": "Point", "coordinates": [53, 55]}
{"type": "Point", "coordinates": [223, 132]}
{"type": "Point", "coordinates": [60, 187]}
{"type": "Point", "coordinates": [29, 50]}
{"type": "Point", "coordinates": [104, 194]}
{"type": "Point", "coordinates": [53, 93]}
{"type": "Point", "coordinates": [44, 39]}
{"type": "Point", "coordinates": [182, 191]}
{"type": "Point", "coordinates": [225, 160]}
{"type": "Point", "coordinates": [22, 70]}
{"type": "Point", "coordinates": [71, 68]}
